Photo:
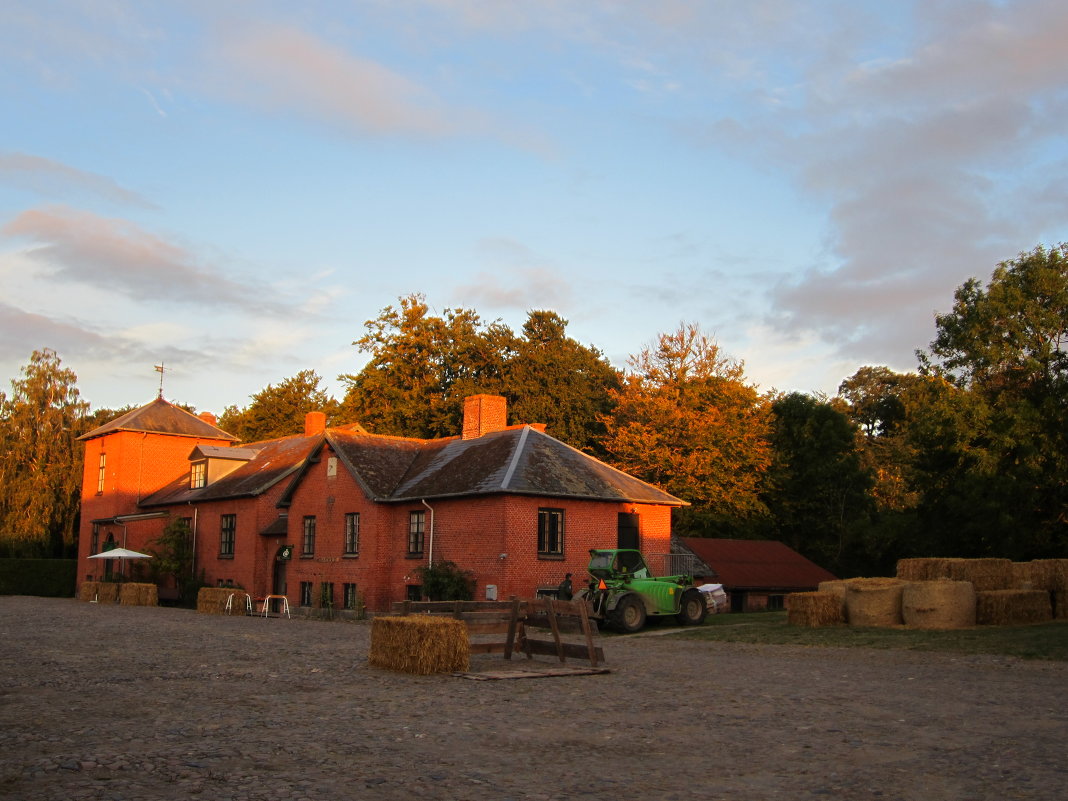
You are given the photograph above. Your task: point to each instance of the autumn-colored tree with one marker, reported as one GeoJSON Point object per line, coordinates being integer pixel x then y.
{"type": "Point", "coordinates": [41, 468]}
{"type": "Point", "coordinates": [421, 368]}
{"type": "Point", "coordinates": [687, 421]}
{"type": "Point", "coordinates": [551, 378]}
{"type": "Point", "coordinates": [279, 411]}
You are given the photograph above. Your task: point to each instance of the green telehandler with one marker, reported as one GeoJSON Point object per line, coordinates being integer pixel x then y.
{"type": "Point", "coordinates": [624, 594]}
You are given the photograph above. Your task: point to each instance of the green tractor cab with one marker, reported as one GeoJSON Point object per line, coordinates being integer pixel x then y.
{"type": "Point", "coordinates": [624, 594]}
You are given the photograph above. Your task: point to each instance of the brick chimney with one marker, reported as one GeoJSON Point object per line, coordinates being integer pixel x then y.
{"type": "Point", "coordinates": [208, 418]}
{"type": "Point", "coordinates": [314, 423]}
{"type": "Point", "coordinates": [484, 414]}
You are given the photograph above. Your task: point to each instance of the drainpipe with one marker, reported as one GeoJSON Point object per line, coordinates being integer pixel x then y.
{"type": "Point", "coordinates": [430, 556]}
{"type": "Point", "coordinates": [193, 575]}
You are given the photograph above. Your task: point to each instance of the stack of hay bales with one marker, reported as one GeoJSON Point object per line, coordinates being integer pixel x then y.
{"type": "Point", "coordinates": [419, 644]}
{"type": "Point", "coordinates": [874, 601]}
{"type": "Point", "coordinates": [1051, 575]}
{"type": "Point", "coordinates": [814, 609]}
{"type": "Point", "coordinates": [132, 594]}
{"type": "Point", "coordinates": [212, 600]}
{"type": "Point", "coordinates": [938, 604]}
{"type": "Point", "coordinates": [984, 574]}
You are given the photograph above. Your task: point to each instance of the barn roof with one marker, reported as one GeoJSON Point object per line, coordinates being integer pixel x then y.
{"type": "Point", "coordinates": [757, 564]}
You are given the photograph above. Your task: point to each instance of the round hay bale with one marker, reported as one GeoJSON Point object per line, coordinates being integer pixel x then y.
{"type": "Point", "coordinates": [941, 604]}
{"type": "Point", "coordinates": [814, 609]}
{"type": "Point", "coordinates": [874, 602]}
{"type": "Point", "coordinates": [419, 644]}
{"type": "Point", "coordinates": [1012, 607]}
{"type": "Point", "coordinates": [212, 600]}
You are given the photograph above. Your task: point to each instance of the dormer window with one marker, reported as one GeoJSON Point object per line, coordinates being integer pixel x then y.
{"type": "Point", "coordinates": [198, 475]}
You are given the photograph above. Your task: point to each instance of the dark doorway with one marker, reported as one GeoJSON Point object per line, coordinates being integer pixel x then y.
{"type": "Point", "coordinates": [278, 586]}
{"type": "Point", "coordinates": [627, 531]}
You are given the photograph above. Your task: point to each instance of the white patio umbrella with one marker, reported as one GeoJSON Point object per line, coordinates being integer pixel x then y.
{"type": "Point", "coordinates": [122, 554]}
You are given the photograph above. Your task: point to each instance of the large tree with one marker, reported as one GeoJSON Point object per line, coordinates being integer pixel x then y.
{"type": "Point", "coordinates": [688, 421]}
{"type": "Point", "coordinates": [279, 411]}
{"type": "Point", "coordinates": [553, 379]}
{"type": "Point", "coordinates": [819, 487]}
{"type": "Point", "coordinates": [41, 468]}
{"type": "Point", "coordinates": [421, 367]}
{"type": "Point", "coordinates": [1003, 347]}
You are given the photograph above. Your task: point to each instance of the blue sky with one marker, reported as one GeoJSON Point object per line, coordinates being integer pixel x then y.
{"type": "Point", "coordinates": [234, 188]}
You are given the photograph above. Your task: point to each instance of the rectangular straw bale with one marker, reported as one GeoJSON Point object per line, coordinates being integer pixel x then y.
{"type": "Point", "coordinates": [87, 590]}
{"type": "Point", "coordinates": [212, 600]}
{"type": "Point", "coordinates": [923, 569]}
{"type": "Point", "coordinates": [107, 592]}
{"type": "Point", "coordinates": [814, 609]}
{"type": "Point", "coordinates": [1049, 574]}
{"type": "Point", "coordinates": [419, 644]}
{"type": "Point", "coordinates": [1021, 576]}
{"type": "Point", "coordinates": [130, 594]}
{"type": "Point", "coordinates": [985, 574]}
{"type": "Point", "coordinates": [1012, 607]}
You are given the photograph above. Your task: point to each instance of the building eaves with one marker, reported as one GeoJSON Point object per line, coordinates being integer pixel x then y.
{"type": "Point", "coordinates": [161, 417]}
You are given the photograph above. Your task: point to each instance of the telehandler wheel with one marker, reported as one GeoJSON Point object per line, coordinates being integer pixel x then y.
{"type": "Point", "coordinates": [692, 609]}
{"type": "Point", "coordinates": [629, 614]}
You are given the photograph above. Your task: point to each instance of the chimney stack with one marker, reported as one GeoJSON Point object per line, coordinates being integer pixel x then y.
{"type": "Point", "coordinates": [484, 414]}
{"type": "Point", "coordinates": [208, 418]}
{"type": "Point", "coordinates": [314, 423]}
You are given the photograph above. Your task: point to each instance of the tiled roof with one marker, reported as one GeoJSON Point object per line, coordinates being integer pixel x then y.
{"type": "Point", "coordinates": [757, 564]}
{"type": "Point", "coordinates": [516, 461]}
{"type": "Point", "coordinates": [161, 417]}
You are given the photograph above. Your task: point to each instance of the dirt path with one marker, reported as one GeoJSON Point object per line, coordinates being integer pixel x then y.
{"type": "Point", "coordinates": [145, 703]}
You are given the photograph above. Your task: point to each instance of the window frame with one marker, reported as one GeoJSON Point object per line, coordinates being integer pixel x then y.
{"type": "Point", "coordinates": [101, 474]}
{"type": "Point", "coordinates": [350, 595]}
{"type": "Point", "coordinates": [306, 588]}
{"type": "Point", "coordinates": [551, 543]}
{"type": "Point", "coordinates": [352, 534]}
{"type": "Point", "coordinates": [308, 537]}
{"type": "Point", "coordinates": [227, 535]}
{"type": "Point", "coordinates": [416, 532]}
{"type": "Point", "coordinates": [198, 474]}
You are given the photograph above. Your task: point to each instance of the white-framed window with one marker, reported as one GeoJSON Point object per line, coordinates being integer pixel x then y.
{"type": "Point", "coordinates": [198, 475]}
{"type": "Point", "coordinates": [101, 473]}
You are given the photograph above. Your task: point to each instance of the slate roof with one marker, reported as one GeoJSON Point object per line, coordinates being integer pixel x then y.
{"type": "Point", "coordinates": [521, 461]}
{"type": "Point", "coordinates": [161, 417]}
{"type": "Point", "coordinates": [757, 564]}
{"type": "Point", "coordinates": [274, 460]}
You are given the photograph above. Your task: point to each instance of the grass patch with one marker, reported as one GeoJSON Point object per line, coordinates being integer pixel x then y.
{"type": "Point", "coordinates": [1039, 641]}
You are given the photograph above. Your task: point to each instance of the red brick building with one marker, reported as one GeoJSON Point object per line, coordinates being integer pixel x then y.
{"type": "Point", "coordinates": [361, 512]}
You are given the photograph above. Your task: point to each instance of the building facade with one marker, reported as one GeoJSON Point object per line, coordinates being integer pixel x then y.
{"type": "Point", "coordinates": [346, 517]}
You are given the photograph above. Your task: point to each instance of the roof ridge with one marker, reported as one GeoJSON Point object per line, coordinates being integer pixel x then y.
{"type": "Point", "coordinates": [514, 461]}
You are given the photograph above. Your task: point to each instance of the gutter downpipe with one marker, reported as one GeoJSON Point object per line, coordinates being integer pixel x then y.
{"type": "Point", "coordinates": [193, 574]}
{"type": "Point", "coordinates": [430, 557]}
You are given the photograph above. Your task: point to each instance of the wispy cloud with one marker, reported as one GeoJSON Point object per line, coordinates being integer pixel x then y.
{"type": "Point", "coordinates": [54, 179]}
{"type": "Point", "coordinates": [285, 69]}
{"type": "Point", "coordinates": [119, 256]}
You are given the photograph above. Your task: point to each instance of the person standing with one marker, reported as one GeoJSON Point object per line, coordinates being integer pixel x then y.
{"type": "Point", "coordinates": [563, 592]}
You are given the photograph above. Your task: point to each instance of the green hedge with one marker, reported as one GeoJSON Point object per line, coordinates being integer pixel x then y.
{"type": "Point", "coordinates": [49, 577]}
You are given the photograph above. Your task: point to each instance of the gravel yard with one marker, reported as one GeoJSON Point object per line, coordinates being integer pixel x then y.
{"type": "Point", "coordinates": [139, 704]}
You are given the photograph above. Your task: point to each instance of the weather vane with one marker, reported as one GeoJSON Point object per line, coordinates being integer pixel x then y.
{"type": "Point", "coordinates": [159, 369]}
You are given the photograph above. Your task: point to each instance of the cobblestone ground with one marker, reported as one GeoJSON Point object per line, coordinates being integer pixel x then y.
{"type": "Point", "coordinates": [152, 704]}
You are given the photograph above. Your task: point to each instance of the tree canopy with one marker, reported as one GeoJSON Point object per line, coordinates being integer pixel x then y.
{"type": "Point", "coordinates": [686, 420]}
{"type": "Point", "coordinates": [279, 411]}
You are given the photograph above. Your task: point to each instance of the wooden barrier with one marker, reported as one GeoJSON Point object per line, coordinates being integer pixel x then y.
{"type": "Point", "coordinates": [512, 620]}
